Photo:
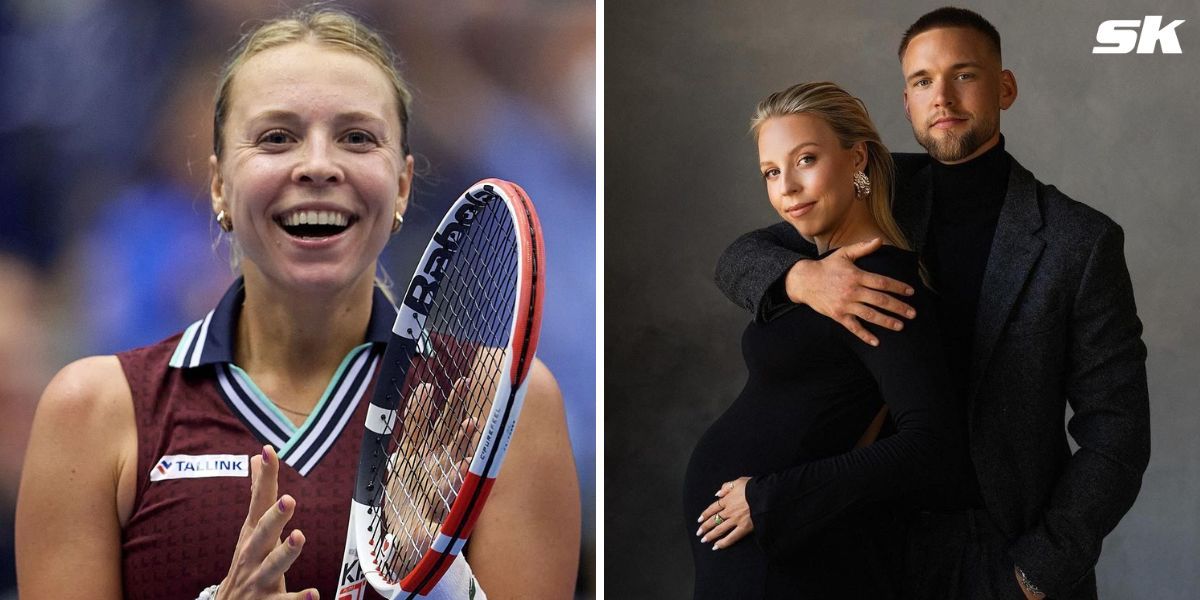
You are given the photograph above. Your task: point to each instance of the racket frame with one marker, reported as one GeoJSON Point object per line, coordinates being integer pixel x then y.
{"type": "Point", "coordinates": [507, 402]}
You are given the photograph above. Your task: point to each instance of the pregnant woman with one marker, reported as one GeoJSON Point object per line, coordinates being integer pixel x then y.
{"type": "Point", "coordinates": [792, 494]}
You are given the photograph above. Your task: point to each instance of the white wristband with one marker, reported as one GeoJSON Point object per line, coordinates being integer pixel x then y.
{"type": "Point", "coordinates": [209, 593]}
{"type": "Point", "coordinates": [458, 583]}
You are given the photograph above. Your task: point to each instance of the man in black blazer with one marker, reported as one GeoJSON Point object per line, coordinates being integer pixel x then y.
{"type": "Point", "coordinates": [1037, 311]}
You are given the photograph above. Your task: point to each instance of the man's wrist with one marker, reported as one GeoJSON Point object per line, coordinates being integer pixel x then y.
{"type": "Point", "coordinates": [793, 281]}
{"type": "Point", "coordinates": [1028, 586]}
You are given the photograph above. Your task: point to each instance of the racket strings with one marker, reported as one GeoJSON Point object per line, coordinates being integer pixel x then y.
{"type": "Point", "coordinates": [491, 337]}
{"type": "Point", "coordinates": [448, 394]}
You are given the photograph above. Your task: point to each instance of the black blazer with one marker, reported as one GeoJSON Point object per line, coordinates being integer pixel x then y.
{"type": "Point", "coordinates": [1056, 325]}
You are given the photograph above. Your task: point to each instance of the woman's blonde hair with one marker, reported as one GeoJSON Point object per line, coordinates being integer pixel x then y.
{"type": "Point", "coordinates": [848, 118]}
{"type": "Point", "coordinates": [329, 27]}
{"type": "Point", "coordinates": [326, 26]}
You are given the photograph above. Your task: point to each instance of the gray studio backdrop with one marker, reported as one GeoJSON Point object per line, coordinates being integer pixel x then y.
{"type": "Point", "coordinates": [1117, 132]}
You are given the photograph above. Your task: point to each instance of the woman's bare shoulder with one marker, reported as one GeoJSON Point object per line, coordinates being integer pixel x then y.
{"type": "Point", "coordinates": [86, 414]}
{"type": "Point", "coordinates": [543, 386]}
{"type": "Point", "coordinates": [80, 442]}
{"type": "Point", "coordinates": [92, 389]}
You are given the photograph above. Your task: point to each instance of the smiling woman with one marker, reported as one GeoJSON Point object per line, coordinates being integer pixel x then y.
{"type": "Point", "coordinates": [807, 501]}
{"type": "Point", "coordinates": [309, 131]}
{"type": "Point", "coordinates": [310, 175]}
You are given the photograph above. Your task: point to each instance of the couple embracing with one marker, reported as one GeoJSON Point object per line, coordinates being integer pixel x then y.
{"type": "Point", "coordinates": [921, 324]}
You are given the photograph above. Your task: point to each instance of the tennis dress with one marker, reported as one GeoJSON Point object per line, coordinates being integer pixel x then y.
{"type": "Point", "coordinates": [199, 420]}
{"type": "Point", "coordinates": [827, 518]}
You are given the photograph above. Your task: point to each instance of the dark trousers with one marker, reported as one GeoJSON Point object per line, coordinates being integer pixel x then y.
{"type": "Point", "coordinates": [958, 555]}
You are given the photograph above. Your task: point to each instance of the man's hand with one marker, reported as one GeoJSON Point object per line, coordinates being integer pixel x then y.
{"type": "Point", "coordinates": [836, 288]}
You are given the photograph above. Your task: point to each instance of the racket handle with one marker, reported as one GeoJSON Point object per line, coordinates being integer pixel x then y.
{"type": "Point", "coordinates": [352, 584]}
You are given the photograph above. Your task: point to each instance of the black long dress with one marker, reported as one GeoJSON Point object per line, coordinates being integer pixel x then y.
{"type": "Point", "coordinates": [827, 517]}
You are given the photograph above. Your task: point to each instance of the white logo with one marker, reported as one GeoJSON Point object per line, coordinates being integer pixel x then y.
{"type": "Point", "coordinates": [1120, 37]}
{"type": "Point", "coordinates": [185, 466]}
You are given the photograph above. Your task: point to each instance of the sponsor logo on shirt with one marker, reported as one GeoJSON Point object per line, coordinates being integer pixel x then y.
{"type": "Point", "coordinates": [187, 466]}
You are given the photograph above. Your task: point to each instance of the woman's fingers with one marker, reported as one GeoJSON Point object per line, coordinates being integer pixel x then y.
{"type": "Point", "coordinates": [464, 439]}
{"type": "Point", "coordinates": [276, 564]}
{"type": "Point", "coordinates": [725, 533]}
{"type": "Point", "coordinates": [732, 537]}
{"type": "Point", "coordinates": [268, 529]}
{"type": "Point", "coordinates": [712, 509]}
{"type": "Point", "coordinates": [708, 524]}
{"type": "Point", "coordinates": [728, 519]}
{"type": "Point", "coordinates": [248, 523]}
{"type": "Point", "coordinates": [264, 488]}
{"type": "Point", "coordinates": [457, 458]}
{"type": "Point", "coordinates": [718, 531]}
{"type": "Point", "coordinates": [260, 560]}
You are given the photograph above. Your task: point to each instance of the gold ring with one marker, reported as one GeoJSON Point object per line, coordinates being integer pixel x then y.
{"type": "Point", "coordinates": [718, 520]}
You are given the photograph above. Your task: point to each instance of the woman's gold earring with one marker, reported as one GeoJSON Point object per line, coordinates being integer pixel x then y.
{"type": "Point", "coordinates": [399, 221]}
{"type": "Point", "coordinates": [224, 220]}
{"type": "Point", "coordinates": [862, 185]}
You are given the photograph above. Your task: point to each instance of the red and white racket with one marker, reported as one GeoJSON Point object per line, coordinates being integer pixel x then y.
{"type": "Point", "coordinates": [450, 388]}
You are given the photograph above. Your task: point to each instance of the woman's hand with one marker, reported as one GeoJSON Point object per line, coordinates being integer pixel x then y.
{"type": "Point", "coordinates": [727, 520]}
{"type": "Point", "coordinates": [423, 451]}
{"type": "Point", "coordinates": [260, 559]}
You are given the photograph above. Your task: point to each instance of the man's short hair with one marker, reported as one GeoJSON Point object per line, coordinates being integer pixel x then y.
{"type": "Point", "coordinates": [950, 16]}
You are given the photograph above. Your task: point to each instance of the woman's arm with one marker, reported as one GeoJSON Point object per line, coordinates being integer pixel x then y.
{"type": "Point", "coordinates": [526, 543]}
{"type": "Point", "coordinates": [72, 498]}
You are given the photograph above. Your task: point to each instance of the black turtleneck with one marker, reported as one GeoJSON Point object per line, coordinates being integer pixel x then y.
{"type": "Point", "coordinates": [966, 205]}
{"type": "Point", "coordinates": [967, 199]}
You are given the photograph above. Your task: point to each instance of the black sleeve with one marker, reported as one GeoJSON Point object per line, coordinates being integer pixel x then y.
{"type": "Point", "coordinates": [1106, 386]}
{"type": "Point", "coordinates": [750, 271]}
{"type": "Point", "coordinates": [909, 367]}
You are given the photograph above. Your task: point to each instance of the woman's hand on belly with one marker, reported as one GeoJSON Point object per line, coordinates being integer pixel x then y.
{"type": "Point", "coordinates": [727, 520]}
{"type": "Point", "coordinates": [261, 559]}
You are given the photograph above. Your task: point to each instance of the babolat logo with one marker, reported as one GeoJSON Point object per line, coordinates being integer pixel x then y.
{"type": "Point", "coordinates": [1121, 37]}
{"type": "Point", "coordinates": [186, 466]}
{"type": "Point", "coordinates": [424, 286]}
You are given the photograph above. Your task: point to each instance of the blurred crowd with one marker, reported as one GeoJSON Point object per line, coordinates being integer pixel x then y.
{"type": "Point", "coordinates": [107, 241]}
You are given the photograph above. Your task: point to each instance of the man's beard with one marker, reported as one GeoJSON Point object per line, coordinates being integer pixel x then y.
{"type": "Point", "coordinates": [951, 147]}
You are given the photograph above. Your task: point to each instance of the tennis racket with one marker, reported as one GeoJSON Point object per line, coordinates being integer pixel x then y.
{"type": "Point", "coordinates": [450, 388]}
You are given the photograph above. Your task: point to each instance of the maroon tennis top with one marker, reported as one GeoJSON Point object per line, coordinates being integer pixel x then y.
{"type": "Point", "coordinates": [199, 419]}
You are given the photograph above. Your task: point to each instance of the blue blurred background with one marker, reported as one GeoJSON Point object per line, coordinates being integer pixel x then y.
{"type": "Point", "coordinates": [107, 240]}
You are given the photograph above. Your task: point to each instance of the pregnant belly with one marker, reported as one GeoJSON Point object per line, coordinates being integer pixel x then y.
{"type": "Point", "coordinates": [744, 443]}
